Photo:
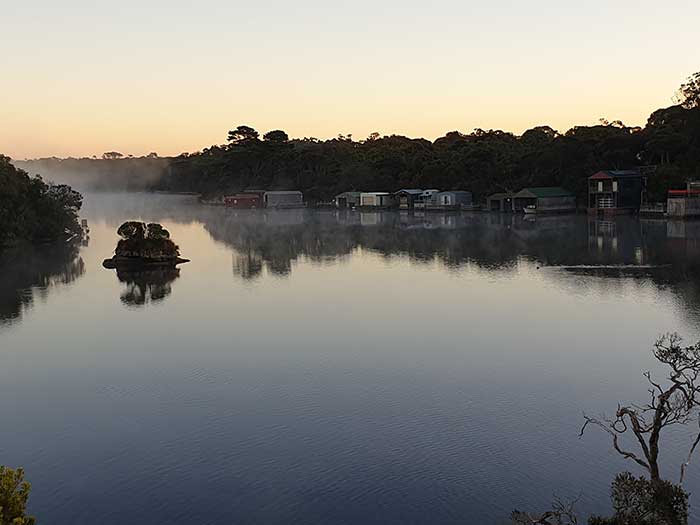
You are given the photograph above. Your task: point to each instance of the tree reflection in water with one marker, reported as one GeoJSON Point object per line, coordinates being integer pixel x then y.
{"type": "Point", "coordinates": [146, 286]}
{"type": "Point", "coordinates": [28, 273]}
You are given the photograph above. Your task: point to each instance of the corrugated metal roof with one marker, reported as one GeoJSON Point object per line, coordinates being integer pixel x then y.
{"type": "Point", "coordinates": [541, 193]}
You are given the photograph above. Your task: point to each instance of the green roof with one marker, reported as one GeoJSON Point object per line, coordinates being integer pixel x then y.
{"type": "Point", "coordinates": [540, 193]}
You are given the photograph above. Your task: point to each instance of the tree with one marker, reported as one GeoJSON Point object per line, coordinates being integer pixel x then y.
{"type": "Point", "coordinates": [156, 231]}
{"type": "Point", "coordinates": [33, 210]}
{"type": "Point", "coordinates": [689, 93]}
{"type": "Point", "coordinates": [675, 403]}
{"type": "Point", "coordinates": [139, 240]}
{"type": "Point", "coordinates": [242, 134]}
{"type": "Point", "coordinates": [276, 136]}
{"type": "Point", "coordinates": [132, 230]}
{"type": "Point", "coordinates": [112, 155]}
{"type": "Point", "coordinates": [14, 493]}
{"type": "Point", "coordinates": [638, 501]}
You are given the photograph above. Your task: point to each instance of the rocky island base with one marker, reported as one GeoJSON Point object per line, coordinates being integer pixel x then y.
{"type": "Point", "coordinates": [144, 246]}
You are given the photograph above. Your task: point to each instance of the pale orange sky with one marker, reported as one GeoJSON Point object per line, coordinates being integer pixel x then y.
{"type": "Point", "coordinates": [80, 79]}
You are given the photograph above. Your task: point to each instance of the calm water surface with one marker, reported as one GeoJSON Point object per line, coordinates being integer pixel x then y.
{"type": "Point", "coordinates": [323, 367]}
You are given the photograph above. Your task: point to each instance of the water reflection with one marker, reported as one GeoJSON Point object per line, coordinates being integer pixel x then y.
{"type": "Point", "coordinates": [28, 273]}
{"type": "Point", "coordinates": [146, 286]}
{"type": "Point", "coordinates": [663, 252]}
{"type": "Point", "coordinates": [277, 240]}
{"type": "Point", "coordinates": [273, 241]}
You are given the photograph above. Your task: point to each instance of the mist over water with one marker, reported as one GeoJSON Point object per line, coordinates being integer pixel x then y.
{"type": "Point", "coordinates": [334, 367]}
{"type": "Point", "coordinates": [126, 174]}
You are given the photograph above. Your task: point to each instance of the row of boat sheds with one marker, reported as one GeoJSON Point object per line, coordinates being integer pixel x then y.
{"type": "Point", "coordinates": [610, 192]}
{"type": "Point", "coordinates": [253, 199]}
{"type": "Point", "coordinates": [543, 200]}
{"type": "Point", "coordinates": [406, 199]}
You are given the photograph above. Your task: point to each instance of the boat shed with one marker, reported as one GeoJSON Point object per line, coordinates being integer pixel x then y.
{"type": "Point", "coordinates": [545, 200]}
{"type": "Point", "coordinates": [284, 199]}
{"type": "Point", "coordinates": [407, 198]}
{"type": "Point", "coordinates": [347, 199]}
{"type": "Point", "coordinates": [613, 192]}
{"type": "Point", "coordinates": [453, 199]}
{"type": "Point", "coordinates": [244, 200]}
{"type": "Point", "coordinates": [376, 199]}
{"type": "Point", "coordinates": [500, 202]}
{"type": "Point", "coordinates": [426, 199]}
{"type": "Point", "coordinates": [684, 203]}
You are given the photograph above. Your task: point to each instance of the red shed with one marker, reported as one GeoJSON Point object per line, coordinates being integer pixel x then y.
{"type": "Point", "coordinates": [243, 201]}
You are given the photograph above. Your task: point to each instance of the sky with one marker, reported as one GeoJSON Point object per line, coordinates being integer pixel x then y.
{"type": "Point", "coordinates": [83, 77]}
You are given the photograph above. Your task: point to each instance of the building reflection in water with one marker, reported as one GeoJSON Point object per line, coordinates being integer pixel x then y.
{"type": "Point", "coordinates": [660, 250]}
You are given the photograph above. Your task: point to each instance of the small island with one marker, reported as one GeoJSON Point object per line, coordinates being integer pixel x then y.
{"type": "Point", "coordinates": [144, 245]}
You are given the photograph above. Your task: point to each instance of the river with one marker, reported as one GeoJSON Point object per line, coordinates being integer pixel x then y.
{"type": "Point", "coordinates": [334, 367]}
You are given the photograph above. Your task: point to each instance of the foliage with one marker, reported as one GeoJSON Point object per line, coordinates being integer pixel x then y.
{"type": "Point", "coordinates": [146, 241]}
{"type": "Point", "coordinates": [132, 230]}
{"type": "Point", "coordinates": [639, 501]}
{"type": "Point", "coordinates": [33, 210]}
{"type": "Point", "coordinates": [689, 92]}
{"type": "Point", "coordinates": [483, 161]}
{"type": "Point", "coordinates": [14, 493]}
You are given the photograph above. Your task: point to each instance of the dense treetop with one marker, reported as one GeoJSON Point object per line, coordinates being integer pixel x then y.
{"type": "Point", "coordinates": [33, 210]}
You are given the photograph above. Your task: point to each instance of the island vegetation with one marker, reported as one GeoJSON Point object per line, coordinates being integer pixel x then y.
{"type": "Point", "coordinates": [144, 244]}
{"type": "Point", "coordinates": [33, 210]}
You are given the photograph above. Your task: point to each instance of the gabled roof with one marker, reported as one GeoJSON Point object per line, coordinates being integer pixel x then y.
{"type": "Point", "coordinates": [411, 191]}
{"type": "Point", "coordinates": [456, 192]}
{"type": "Point", "coordinates": [355, 193]}
{"type": "Point", "coordinates": [615, 174]}
{"type": "Point", "coordinates": [540, 193]}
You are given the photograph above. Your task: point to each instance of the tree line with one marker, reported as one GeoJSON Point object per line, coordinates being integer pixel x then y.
{"type": "Point", "coordinates": [483, 161]}
{"type": "Point", "coordinates": [32, 210]}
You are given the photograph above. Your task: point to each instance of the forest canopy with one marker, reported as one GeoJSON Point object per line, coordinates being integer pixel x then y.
{"type": "Point", "coordinates": [483, 161]}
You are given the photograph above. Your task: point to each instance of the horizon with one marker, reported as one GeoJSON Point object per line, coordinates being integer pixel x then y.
{"type": "Point", "coordinates": [173, 78]}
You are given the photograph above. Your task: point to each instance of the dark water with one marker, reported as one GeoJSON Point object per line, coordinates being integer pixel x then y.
{"type": "Point", "coordinates": [334, 367]}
